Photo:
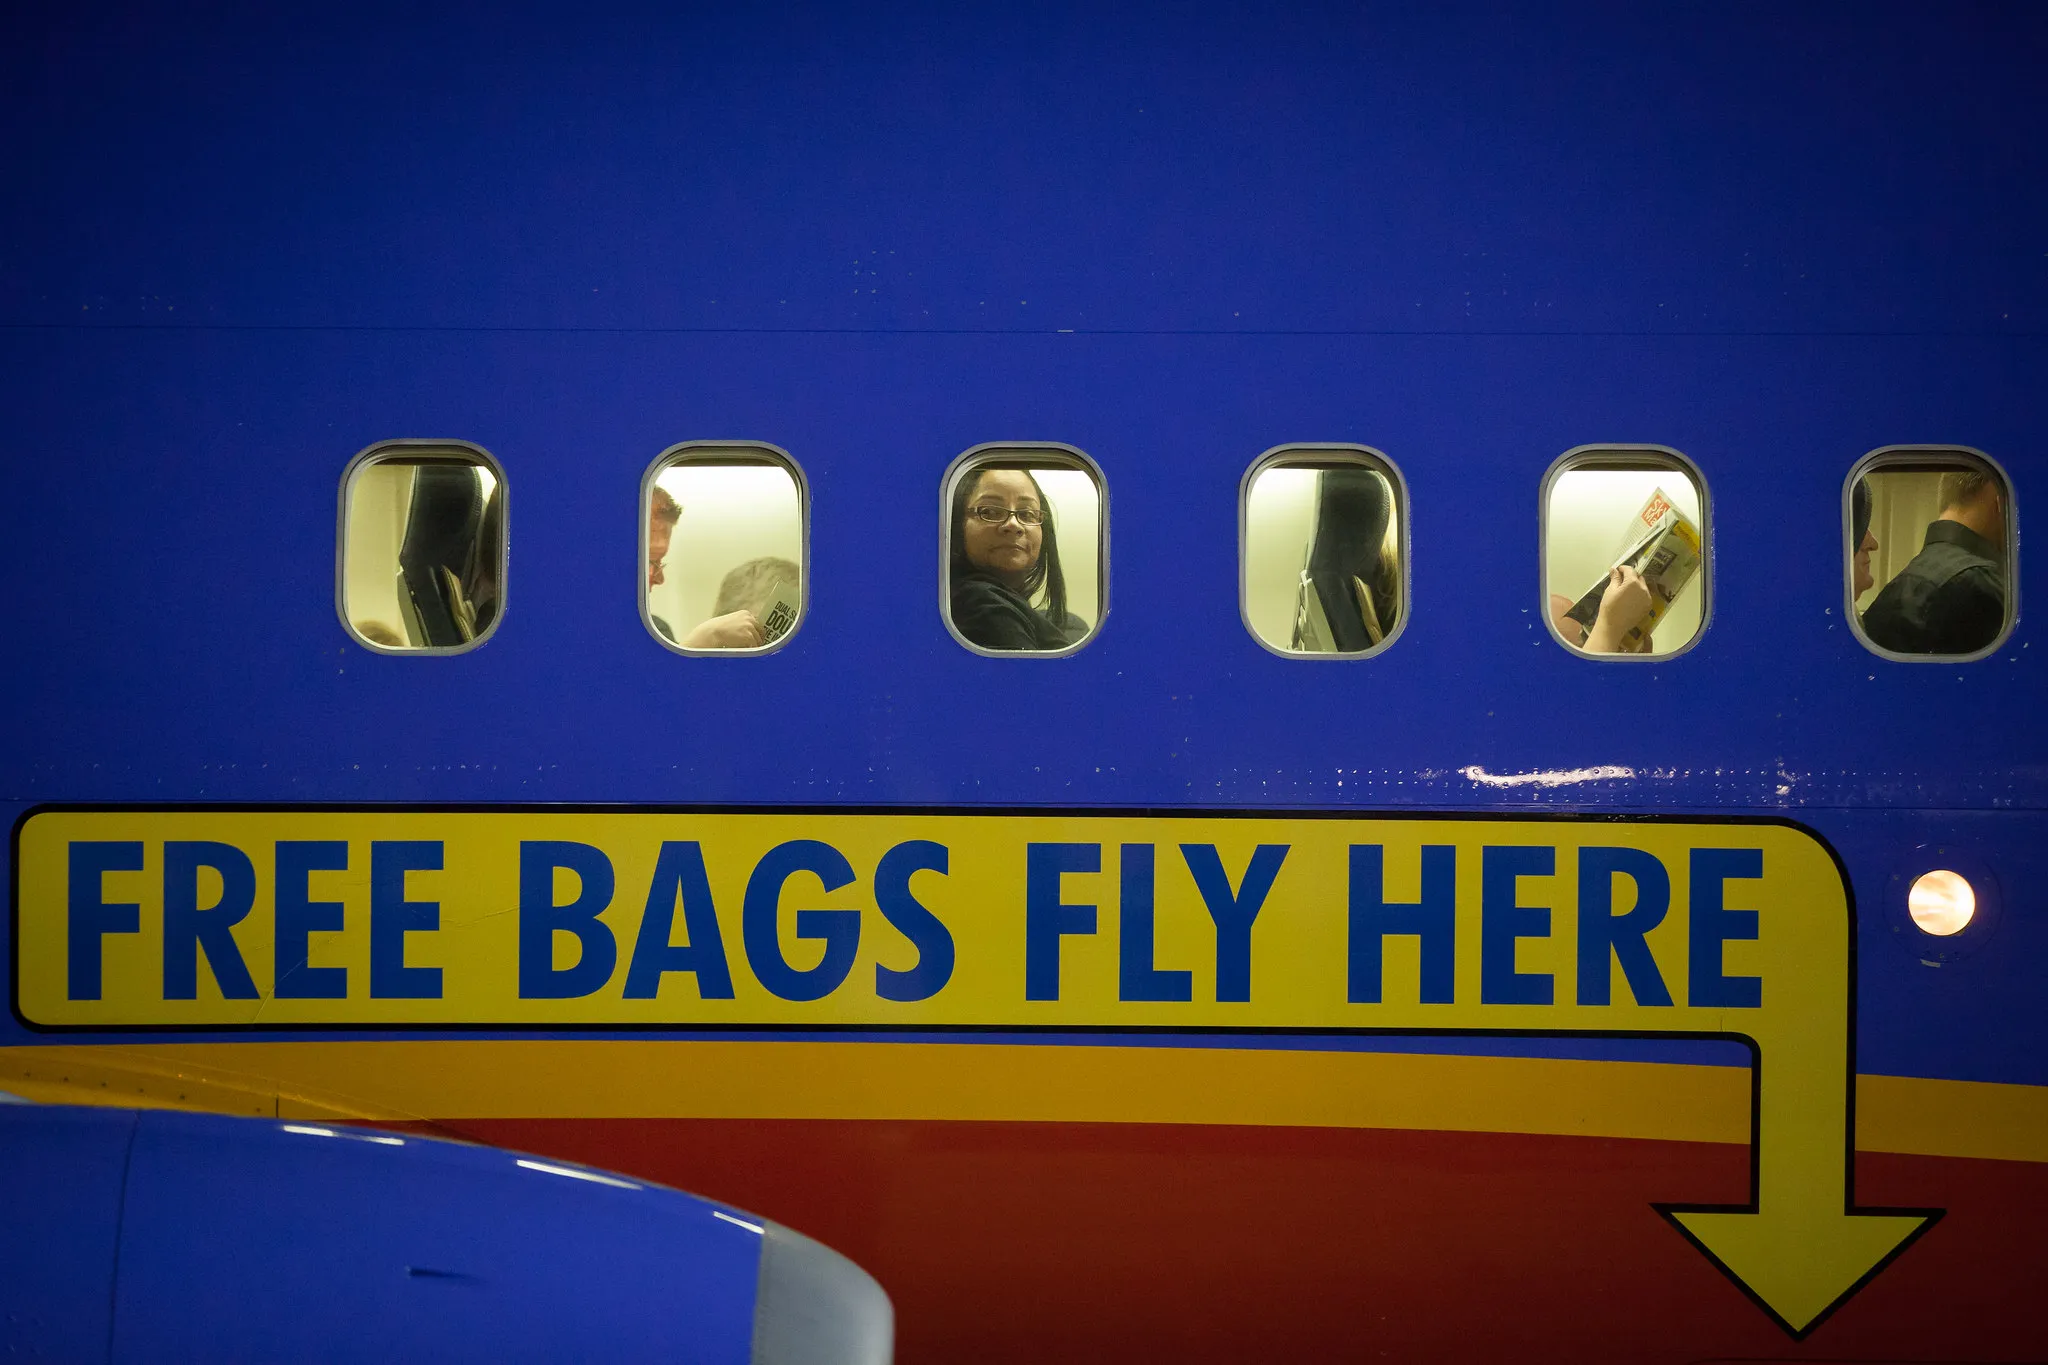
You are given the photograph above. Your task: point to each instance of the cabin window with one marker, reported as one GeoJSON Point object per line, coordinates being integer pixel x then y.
{"type": "Point", "coordinates": [1626, 552]}
{"type": "Point", "coordinates": [1023, 549]}
{"type": "Point", "coordinates": [421, 562]}
{"type": "Point", "coordinates": [724, 541]}
{"type": "Point", "coordinates": [1322, 531]}
{"type": "Point", "coordinates": [1928, 540]}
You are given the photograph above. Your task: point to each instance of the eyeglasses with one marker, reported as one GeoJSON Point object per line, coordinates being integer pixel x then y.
{"type": "Point", "coordinates": [996, 516]}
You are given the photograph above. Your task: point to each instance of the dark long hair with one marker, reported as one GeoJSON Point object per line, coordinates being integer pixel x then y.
{"type": "Point", "coordinates": [451, 533]}
{"type": "Point", "coordinates": [1044, 574]}
{"type": "Point", "coordinates": [1353, 510]}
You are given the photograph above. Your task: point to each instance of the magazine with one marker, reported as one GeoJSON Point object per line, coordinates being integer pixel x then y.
{"type": "Point", "coordinates": [781, 613]}
{"type": "Point", "coordinates": [1663, 545]}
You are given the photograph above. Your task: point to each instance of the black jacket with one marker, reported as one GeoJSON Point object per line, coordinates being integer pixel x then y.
{"type": "Point", "coordinates": [1949, 600]}
{"type": "Point", "coordinates": [992, 616]}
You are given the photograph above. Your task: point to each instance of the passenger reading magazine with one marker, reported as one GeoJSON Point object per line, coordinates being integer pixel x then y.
{"type": "Point", "coordinates": [1662, 545]}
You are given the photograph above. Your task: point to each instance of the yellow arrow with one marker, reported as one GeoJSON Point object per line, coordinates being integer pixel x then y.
{"type": "Point", "coordinates": [1801, 1247]}
{"type": "Point", "coordinates": [1800, 1264]}
{"type": "Point", "coordinates": [1024, 920]}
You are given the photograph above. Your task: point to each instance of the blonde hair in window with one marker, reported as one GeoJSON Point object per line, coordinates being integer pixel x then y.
{"type": "Point", "coordinates": [752, 584]}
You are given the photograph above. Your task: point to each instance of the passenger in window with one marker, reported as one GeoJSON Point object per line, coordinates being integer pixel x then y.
{"type": "Point", "coordinates": [768, 589]}
{"type": "Point", "coordinates": [1860, 537]}
{"type": "Point", "coordinates": [1950, 598]}
{"type": "Point", "coordinates": [1623, 607]}
{"type": "Point", "coordinates": [1350, 595]}
{"type": "Point", "coordinates": [448, 561]}
{"type": "Point", "coordinates": [1006, 555]}
{"type": "Point", "coordinates": [729, 630]}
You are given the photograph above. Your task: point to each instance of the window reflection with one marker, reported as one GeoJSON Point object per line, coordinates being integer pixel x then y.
{"type": "Point", "coordinates": [1024, 551]}
{"type": "Point", "coordinates": [1625, 552]}
{"type": "Point", "coordinates": [1322, 553]}
{"type": "Point", "coordinates": [423, 558]}
{"type": "Point", "coordinates": [724, 528]}
{"type": "Point", "coordinates": [1928, 555]}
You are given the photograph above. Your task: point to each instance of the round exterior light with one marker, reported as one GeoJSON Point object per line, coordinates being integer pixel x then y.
{"type": "Point", "coordinates": [1941, 903]}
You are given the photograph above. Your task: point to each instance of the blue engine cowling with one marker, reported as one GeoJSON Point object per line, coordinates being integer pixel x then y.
{"type": "Point", "coordinates": [147, 1235]}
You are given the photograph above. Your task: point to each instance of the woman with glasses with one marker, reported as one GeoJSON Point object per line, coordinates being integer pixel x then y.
{"type": "Point", "coordinates": [1005, 557]}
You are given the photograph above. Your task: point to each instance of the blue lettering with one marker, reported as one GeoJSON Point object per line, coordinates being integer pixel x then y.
{"type": "Point", "coordinates": [540, 919]}
{"type": "Point", "coordinates": [1137, 978]}
{"type": "Point", "coordinates": [679, 875]}
{"type": "Point", "coordinates": [1433, 919]}
{"type": "Point", "coordinates": [1233, 911]}
{"type": "Point", "coordinates": [90, 916]}
{"type": "Point", "coordinates": [1048, 919]}
{"type": "Point", "coordinates": [299, 916]}
{"type": "Point", "coordinates": [1601, 931]}
{"type": "Point", "coordinates": [1710, 925]}
{"type": "Point", "coordinates": [189, 930]}
{"type": "Point", "coordinates": [1504, 921]}
{"type": "Point", "coordinates": [838, 929]}
{"type": "Point", "coordinates": [392, 917]}
{"type": "Point", "coordinates": [909, 917]}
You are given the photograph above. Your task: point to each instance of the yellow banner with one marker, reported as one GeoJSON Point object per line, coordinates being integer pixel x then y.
{"type": "Point", "coordinates": [540, 918]}
{"type": "Point", "coordinates": [563, 918]}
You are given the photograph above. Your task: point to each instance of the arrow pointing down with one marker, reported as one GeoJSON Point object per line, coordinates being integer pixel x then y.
{"type": "Point", "coordinates": [1801, 1247]}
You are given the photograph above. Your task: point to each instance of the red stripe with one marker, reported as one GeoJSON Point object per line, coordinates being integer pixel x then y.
{"type": "Point", "coordinates": [1025, 1242]}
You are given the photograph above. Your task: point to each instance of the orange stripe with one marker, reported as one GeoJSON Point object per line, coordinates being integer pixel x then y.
{"type": "Point", "coordinates": [599, 1078]}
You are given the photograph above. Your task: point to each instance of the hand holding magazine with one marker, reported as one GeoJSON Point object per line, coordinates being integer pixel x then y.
{"type": "Point", "coordinates": [1663, 545]}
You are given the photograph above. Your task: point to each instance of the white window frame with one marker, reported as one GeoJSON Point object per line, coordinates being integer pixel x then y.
{"type": "Point", "coordinates": [1622, 455]}
{"type": "Point", "coordinates": [414, 449]}
{"type": "Point", "coordinates": [711, 452]}
{"type": "Point", "coordinates": [1030, 454]}
{"type": "Point", "coordinates": [1314, 454]}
